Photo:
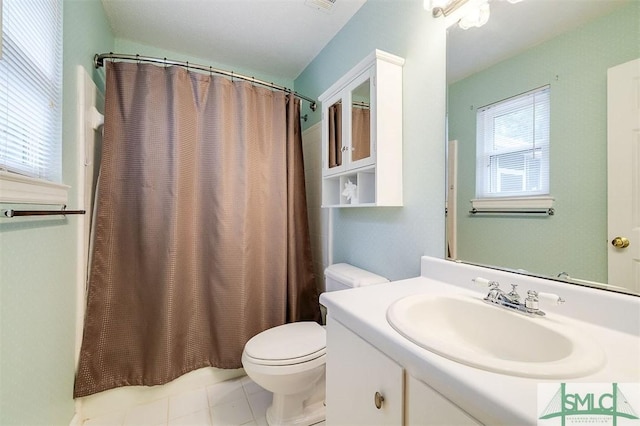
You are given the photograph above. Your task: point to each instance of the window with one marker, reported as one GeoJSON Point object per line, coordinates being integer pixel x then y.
{"type": "Point", "coordinates": [513, 146]}
{"type": "Point", "coordinates": [31, 91]}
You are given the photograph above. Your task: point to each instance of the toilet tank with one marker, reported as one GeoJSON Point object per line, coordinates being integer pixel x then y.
{"type": "Point", "coordinates": [342, 276]}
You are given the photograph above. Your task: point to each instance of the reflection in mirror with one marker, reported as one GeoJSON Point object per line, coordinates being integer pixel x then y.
{"type": "Point", "coordinates": [361, 122]}
{"type": "Point", "coordinates": [568, 46]}
{"type": "Point", "coordinates": [334, 122]}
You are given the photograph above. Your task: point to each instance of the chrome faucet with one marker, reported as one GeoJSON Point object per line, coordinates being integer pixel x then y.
{"type": "Point", "coordinates": [512, 300]}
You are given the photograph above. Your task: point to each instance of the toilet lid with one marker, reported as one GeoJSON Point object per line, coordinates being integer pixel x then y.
{"type": "Point", "coordinates": [288, 344]}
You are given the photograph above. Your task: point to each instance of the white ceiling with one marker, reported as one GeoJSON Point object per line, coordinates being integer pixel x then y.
{"type": "Point", "coordinates": [281, 37]}
{"type": "Point", "coordinates": [513, 28]}
{"type": "Point", "coordinates": [273, 37]}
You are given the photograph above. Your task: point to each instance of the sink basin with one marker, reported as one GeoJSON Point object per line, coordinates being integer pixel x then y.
{"type": "Point", "coordinates": [471, 332]}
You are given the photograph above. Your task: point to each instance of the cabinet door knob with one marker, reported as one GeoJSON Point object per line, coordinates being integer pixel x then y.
{"type": "Point", "coordinates": [378, 399]}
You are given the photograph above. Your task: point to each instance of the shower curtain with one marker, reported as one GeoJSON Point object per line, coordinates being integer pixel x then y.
{"type": "Point", "coordinates": [201, 237]}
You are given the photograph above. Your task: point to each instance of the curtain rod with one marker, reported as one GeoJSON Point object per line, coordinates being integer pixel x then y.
{"type": "Point", "coordinates": [61, 212]}
{"type": "Point", "coordinates": [98, 61]}
{"type": "Point", "coordinates": [549, 211]}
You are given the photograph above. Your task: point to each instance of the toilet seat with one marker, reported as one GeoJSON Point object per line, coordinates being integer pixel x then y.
{"type": "Point", "coordinates": [288, 344]}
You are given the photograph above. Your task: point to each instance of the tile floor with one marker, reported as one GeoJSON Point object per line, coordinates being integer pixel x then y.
{"type": "Point", "coordinates": [234, 402]}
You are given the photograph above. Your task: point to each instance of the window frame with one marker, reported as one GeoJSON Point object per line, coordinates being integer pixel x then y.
{"type": "Point", "coordinates": [486, 153]}
{"type": "Point", "coordinates": [19, 188]}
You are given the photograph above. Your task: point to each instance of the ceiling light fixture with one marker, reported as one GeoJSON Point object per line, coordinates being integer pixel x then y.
{"type": "Point", "coordinates": [477, 16]}
{"type": "Point", "coordinates": [443, 7]}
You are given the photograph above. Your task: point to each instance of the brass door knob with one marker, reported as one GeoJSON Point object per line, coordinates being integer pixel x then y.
{"type": "Point", "coordinates": [620, 242]}
{"type": "Point", "coordinates": [378, 399]}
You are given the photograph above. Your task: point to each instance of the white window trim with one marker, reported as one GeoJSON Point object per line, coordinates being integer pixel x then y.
{"type": "Point", "coordinates": [482, 157]}
{"type": "Point", "coordinates": [513, 203]}
{"type": "Point", "coordinates": [19, 189]}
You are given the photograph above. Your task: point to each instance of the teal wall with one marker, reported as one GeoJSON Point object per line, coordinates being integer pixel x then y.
{"type": "Point", "coordinates": [575, 66]}
{"type": "Point", "coordinates": [38, 265]}
{"type": "Point", "coordinates": [390, 240]}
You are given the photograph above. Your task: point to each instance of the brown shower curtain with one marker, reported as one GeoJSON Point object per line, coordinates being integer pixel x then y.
{"type": "Point", "coordinates": [201, 237]}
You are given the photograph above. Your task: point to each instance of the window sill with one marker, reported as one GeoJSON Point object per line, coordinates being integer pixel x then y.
{"type": "Point", "coordinates": [15, 188]}
{"type": "Point", "coordinates": [513, 203]}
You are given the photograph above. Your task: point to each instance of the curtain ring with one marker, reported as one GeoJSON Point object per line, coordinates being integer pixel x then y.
{"type": "Point", "coordinates": [232, 76]}
{"type": "Point", "coordinates": [165, 62]}
{"type": "Point", "coordinates": [210, 71]}
{"type": "Point", "coordinates": [138, 58]}
{"type": "Point", "coordinates": [187, 65]}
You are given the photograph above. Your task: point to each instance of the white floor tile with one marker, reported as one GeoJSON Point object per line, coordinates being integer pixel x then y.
{"type": "Point", "coordinates": [236, 402]}
{"type": "Point", "coordinates": [224, 392]}
{"type": "Point", "coordinates": [232, 413]}
{"type": "Point", "coordinates": [188, 402]}
{"type": "Point", "coordinates": [111, 419]}
{"type": "Point", "coordinates": [262, 421]}
{"type": "Point", "coordinates": [199, 418]}
{"type": "Point", "coordinates": [151, 414]}
{"type": "Point", "coordinates": [259, 402]}
{"type": "Point", "coordinates": [250, 386]}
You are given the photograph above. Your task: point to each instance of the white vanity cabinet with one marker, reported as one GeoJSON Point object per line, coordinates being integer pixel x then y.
{"type": "Point", "coordinates": [366, 387]}
{"type": "Point", "coordinates": [425, 406]}
{"type": "Point", "coordinates": [356, 372]}
{"type": "Point", "coordinates": [362, 135]}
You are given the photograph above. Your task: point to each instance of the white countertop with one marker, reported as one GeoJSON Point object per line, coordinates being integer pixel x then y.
{"type": "Point", "coordinates": [491, 398]}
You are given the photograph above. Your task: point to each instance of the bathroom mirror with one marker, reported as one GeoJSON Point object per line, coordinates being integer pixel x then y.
{"type": "Point", "coordinates": [568, 46]}
{"type": "Point", "coordinates": [361, 121]}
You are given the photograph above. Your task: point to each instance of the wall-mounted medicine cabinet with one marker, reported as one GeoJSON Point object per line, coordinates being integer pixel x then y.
{"type": "Point", "coordinates": [362, 135]}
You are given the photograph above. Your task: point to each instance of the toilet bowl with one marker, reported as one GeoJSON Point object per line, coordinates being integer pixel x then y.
{"type": "Point", "coordinates": [289, 360]}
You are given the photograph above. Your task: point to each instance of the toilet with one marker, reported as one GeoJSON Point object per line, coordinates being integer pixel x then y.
{"type": "Point", "coordinates": [289, 360]}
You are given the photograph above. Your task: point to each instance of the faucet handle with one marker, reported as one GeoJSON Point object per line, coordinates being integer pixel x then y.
{"type": "Point", "coordinates": [513, 294]}
{"type": "Point", "coordinates": [551, 297]}
{"type": "Point", "coordinates": [485, 282]}
{"type": "Point", "coordinates": [531, 302]}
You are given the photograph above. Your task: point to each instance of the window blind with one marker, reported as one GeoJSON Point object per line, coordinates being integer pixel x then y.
{"type": "Point", "coordinates": [31, 88]}
{"type": "Point", "coordinates": [513, 146]}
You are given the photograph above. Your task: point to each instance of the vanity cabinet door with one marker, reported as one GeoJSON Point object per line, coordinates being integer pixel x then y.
{"type": "Point", "coordinates": [425, 406]}
{"type": "Point", "coordinates": [364, 386]}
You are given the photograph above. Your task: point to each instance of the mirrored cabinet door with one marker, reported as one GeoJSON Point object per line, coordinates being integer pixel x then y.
{"type": "Point", "coordinates": [334, 124]}
{"type": "Point", "coordinates": [334, 135]}
{"type": "Point", "coordinates": [361, 149]}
